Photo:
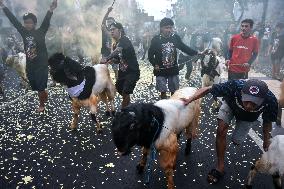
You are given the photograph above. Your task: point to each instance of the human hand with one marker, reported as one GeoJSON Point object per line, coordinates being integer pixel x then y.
{"type": "Point", "coordinates": [246, 65]}
{"type": "Point", "coordinates": [53, 5]}
{"type": "Point", "coordinates": [227, 62]}
{"type": "Point", "coordinates": [103, 61]}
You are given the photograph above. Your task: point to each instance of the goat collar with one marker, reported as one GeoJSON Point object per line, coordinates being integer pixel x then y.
{"type": "Point", "coordinates": [76, 90]}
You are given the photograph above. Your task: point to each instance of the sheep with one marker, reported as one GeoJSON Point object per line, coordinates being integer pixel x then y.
{"type": "Point", "coordinates": [157, 124]}
{"type": "Point", "coordinates": [86, 86]}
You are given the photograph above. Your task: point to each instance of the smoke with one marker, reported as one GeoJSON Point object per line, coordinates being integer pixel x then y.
{"type": "Point", "coordinates": [76, 21]}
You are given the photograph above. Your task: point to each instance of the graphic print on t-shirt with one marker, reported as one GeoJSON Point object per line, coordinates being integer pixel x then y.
{"type": "Point", "coordinates": [168, 58]}
{"type": "Point", "coordinates": [122, 64]}
{"type": "Point", "coordinates": [31, 52]}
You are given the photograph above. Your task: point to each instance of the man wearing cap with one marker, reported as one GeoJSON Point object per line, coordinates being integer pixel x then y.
{"type": "Point", "coordinates": [162, 55]}
{"type": "Point", "coordinates": [244, 100]}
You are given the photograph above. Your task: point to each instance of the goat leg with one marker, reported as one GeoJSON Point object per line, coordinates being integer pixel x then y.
{"type": "Point", "coordinates": [277, 181]}
{"type": "Point", "coordinates": [142, 163]}
{"type": "Point", "coordinates": [98, 125]}
{"type": "Point", "coordinates": [76, 110]}
{"type": "Point", "coordinates": [188, 146]}
{"type": "Point", "coordinates": [167, 159]}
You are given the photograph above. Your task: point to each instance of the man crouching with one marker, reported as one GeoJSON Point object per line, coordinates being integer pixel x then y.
{"type": "Point", "coordinates": [244, 100]}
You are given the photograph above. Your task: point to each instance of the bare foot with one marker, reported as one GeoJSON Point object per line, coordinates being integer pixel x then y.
{"type": "Point", "coordinates": [40, 109]}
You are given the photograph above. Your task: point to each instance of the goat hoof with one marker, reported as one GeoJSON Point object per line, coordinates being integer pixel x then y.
{"type": "Point", "coordinates": [140, 169]}
{"type": "Point", "coordinates": [248, 187]}
{"type": "Point", "coordinates": [107, 113]}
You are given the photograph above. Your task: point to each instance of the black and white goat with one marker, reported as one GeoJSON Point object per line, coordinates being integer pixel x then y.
{"type": "Point", "coordinates": [212, 67]}
{"type": "Point", "coordinates": [86, 86]}
{"type": "Point", "coordinates": [157, 124]}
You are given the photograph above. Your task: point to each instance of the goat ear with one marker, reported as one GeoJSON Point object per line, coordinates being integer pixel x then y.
{"type": "Point", "coordinates": [69, 74]}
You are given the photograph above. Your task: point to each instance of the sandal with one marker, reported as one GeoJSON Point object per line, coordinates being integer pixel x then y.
{"type": "Point", "coordinates": [214, 176]}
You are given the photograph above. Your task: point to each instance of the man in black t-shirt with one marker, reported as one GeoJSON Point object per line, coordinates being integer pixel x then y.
{"type": "Point", "coordinates": [123, 52]}
{"type": "Point", "coordinates": [35, 49]}
{"type": "Point", "coordinates": [162, 55]}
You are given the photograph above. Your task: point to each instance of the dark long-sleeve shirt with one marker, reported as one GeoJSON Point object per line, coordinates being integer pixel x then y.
{"type": "Point", "coordinates": [163, 52]}
{"type": "Point", "coordinates": [232, 93]}
{"type": "Point", "coordinates": [34, 41]}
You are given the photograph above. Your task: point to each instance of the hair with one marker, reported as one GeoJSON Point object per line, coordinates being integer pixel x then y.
{"type": "Point", "coordinates": [118, 26]}
{"type": "Point", "coordinates": [250, 21]}
{"type": "Point", "coordinates": [166, 22]}
{"type": "Point", "coordinates": [30, 16]}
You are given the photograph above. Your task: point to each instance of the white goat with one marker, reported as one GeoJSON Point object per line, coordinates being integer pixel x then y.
{"type": "Point", "coordinates": [271, 162]}
{"type": "Point", "coordinates": [18, 62]}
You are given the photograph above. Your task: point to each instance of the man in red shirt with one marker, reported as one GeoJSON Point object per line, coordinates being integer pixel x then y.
{"type": "Point", "coordinates": [243, 51]}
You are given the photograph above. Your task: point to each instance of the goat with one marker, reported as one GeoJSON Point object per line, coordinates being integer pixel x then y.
{"type": "Point", "coordinates": [157, 124]}
{"type": "Point", "coordinates": [18, 62]}
{"type": "Point", "coordinates": [86, 86]}
{"type": "Point", "coordinates": [271, 162]}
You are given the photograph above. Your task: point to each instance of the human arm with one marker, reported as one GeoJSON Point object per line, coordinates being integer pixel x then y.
{"type": "Point", "coordinates": [252, 58]}
{"type": "Point", "coordinates": [105, 18]}
{"type": "Point", "coordinates": [152, 52]}
{"type": "Point", "coordinates": [269, 115]}
{"type": "Point", "coordinates": [266, 128]}
{"type": "Point", "coordinates": [46, 21]}
{"type": "Point", "coordinates": [114, 53]}
{"type": "Point", "coordinates": [184, 48]}
{"type": "Point", "coordinates": [11, 17]}
{"type": "Point", "coordinates": [226, 89]}
{"type": "Point", "coordinates": [197, 95]}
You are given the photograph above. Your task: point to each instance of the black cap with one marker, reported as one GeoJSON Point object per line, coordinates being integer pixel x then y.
{"type": "Point", "coordinates": [254, 91]}
{"type": "Point", "coordinates": [117, 25]}
{"type": "Point", "coordinates": [30, 15]}
{"type": "Point", "coordinates": [166, 22]}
